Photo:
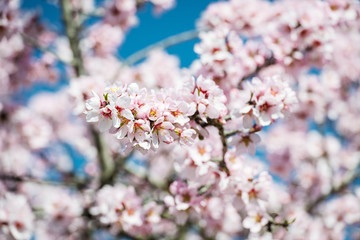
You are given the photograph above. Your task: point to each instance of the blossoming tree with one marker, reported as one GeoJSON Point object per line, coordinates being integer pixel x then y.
{"type": "Point", "coordinates": [257, 139]}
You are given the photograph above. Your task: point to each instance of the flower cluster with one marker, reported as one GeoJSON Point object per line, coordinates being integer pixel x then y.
{"type": "Point", "coordinates": [270, 99]}
{"type": "Point", "coordinates": [145, 119]}
{"type": "Point", "coordinates": [205, 185]}
{"type": "Point", "coordinates": [61, 210]}
{"type": "Point", "coordinates": [121, 208]}
{"type": "Point", "coordinates": [289, 35]}
{"type": "Point", "coordinates": [238, 15]}
{"type": "Point", "coordinates": [19, 67]}
{"type": "Point", "coordinates": [16, 217]}
{"type": "Point", "coordinates": [104, 39]}
{"type": "Point", "coordinates": [226, 59]}
{"type": "Point", "coordinates": [123, 12]}
{"type": "Point", "coordinates": [9, 21]}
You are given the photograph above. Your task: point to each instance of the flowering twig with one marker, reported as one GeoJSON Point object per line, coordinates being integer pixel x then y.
{"type": "Point", "coordinates": [349, 178]}
{"type": "Point", "coordinates": [268, 62]}
{"type": "Point", "coordinates": [216, 123]}
{"type": "Point", "coordinates": [254, 129]}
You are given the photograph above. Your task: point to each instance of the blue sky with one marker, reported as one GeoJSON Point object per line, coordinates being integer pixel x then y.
{"type": "Point", "coordinates": [150, 29]}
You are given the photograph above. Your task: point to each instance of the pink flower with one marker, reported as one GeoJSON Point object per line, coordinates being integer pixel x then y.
{"type": "Point", "coordinates": [104, 39]}
{"type": "Point", "coordinates": [256, 220]}
{"type": "Point", "coordinates": [210, 99]}
{"type": "Point", "coordinates": [270, 99]}
{"type": "Point", "coordinates": [153, 212]}
{"type": "Point", "coordinates": [184, 196]}
{"type": "Point", "coordinates": [121, 13]}
{"type": "Point", "coordinates": [99, 111]}
{"type": "Point", "coordinates": [16, 217]}
{"type": "Point", "coordinates": [245, 142]}
{"type": "Point", "coordinates": [118, 206]}
{"type": "Point", "coordinates": [123, 113]}
{"type": "Point", "coordinates": [139, 130]}
{"type": "Point", "coordinates": [161, 132]}
{"type": "Point", "coordinates": [186, 137]}
{"type": "Point", "coordinates": [180, 112]}
{"type": "Point", "coordinates": [162, 5]}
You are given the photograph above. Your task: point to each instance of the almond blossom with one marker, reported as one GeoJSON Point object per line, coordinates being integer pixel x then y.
{"type": "Point", "coordinates": [101, 143]}
{"type": "Point", "coordinates": [270, 99]}
{"type": "Point", "coordinates": [159, 119]}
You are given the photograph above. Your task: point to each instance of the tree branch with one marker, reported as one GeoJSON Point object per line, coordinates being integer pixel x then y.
{"type": "Point", "coordinates": [349, 178]}
{"type": "Point", "coordinates": [14, 178]}
{"type": "Point", "coordinates": [165, 43]}
{"type": "Point", "coordinates": [216, 123]}
{"type": "Point", "coordinates": [285, 224]}
{"type": "Point", "coordinates": [33, 42]}
{"type": "Point", "coordinates": [268, 62]}
{"type": "Point", "coordinates": [252, 130]}
{"type": "Point", "coordinates": [106, 162]}
{"type": "Point", "coordinates": [72, 29]}
{"type": "Point", "coordinates": [271, 61]}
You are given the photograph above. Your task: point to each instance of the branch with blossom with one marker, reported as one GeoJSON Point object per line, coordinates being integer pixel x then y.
{"type": "Point", "coordinates": [349, 179]}
{"type": "Point", "coordinates": [256, 139]}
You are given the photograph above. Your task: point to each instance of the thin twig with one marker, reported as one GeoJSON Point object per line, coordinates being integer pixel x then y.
{"type": "Point", "coordinates": [165, 43]}
{"type": "Point", "coordinates": [252, 130]}
{"type": "Point", "coordinates": [268, 62]}
{"type": "Point", "coordinates": [97, 13]}
{"type": "Point", "coordinates": [231, 133]}
{"type": "Point", "coordinates": [285, 224]}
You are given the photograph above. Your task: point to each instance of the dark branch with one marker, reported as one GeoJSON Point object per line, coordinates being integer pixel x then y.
{"type": "Point", "coordinates": [285, 224]}
{"type": "Point", "coordinates": [216, 123]}
{"type": "Point", "coordinates": [268, 62]}
{"type": "Point", "coordinates": [14, 178]}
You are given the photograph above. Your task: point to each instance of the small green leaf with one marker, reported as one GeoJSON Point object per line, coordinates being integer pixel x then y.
{"type": "Point", "coordinates": [106, 97]}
